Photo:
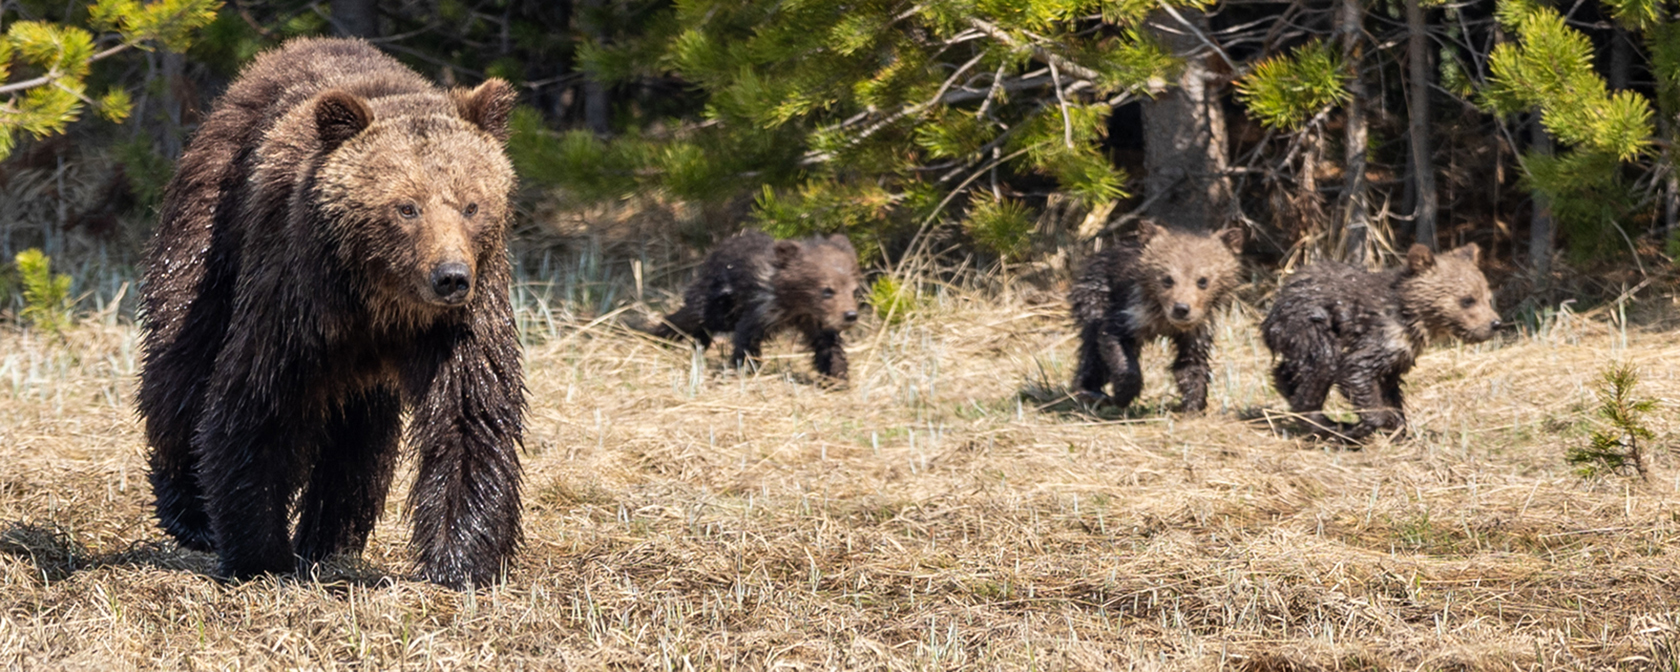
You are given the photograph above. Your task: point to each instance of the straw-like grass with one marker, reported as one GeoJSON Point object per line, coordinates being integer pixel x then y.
{"type": "Point", "coordinates": [948, 510]}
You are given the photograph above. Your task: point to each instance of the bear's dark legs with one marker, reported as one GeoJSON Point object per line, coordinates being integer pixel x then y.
{"type": "Point", "coordinates": [749, 340]}
{"type": "Point", "coordinates": [1373, 387]}
{"type": "Point", "coordinates": [687, 321]}
{"type": "Point", "coordinates": [466, 430]}
{"type": "Point", "coordinates": [1120, 356]}
{"type": "Point", "coordinates": [830, 353]}
{"type": "Point", "coordinates": [350, 477]}
{"type": "Point", "coordinates": [171, 400]}
{"type": "Point", "coordinates": [249, 469]}
{"type": "Point", "coordinates": [1191, 370]}
{"type": "Point", "coordinates": [169, 430]}
{"type": "Point", "coordinates": [1092, 373]}
{"type": "Point", "coordinates": [1306, 384]}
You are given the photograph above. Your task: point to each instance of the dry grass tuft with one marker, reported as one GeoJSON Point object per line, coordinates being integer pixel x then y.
{"type": "Point", "coordinates": [948, 510]}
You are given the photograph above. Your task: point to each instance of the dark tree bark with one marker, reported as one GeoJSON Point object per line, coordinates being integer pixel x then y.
{"type": "Point", "coordinates": [355, 18]}
{"type": "Point", "coordinates": [595, 103]}
{"type": "Point", "coordinates": [1184, 135]}
{"type": "Point", "coordinates": [1425, 199]}
{"type": "Point", "coordinates": [1356, 219]}
{"type": "Point", "coordinates": [1621, 58]}
{"type": "Point", "coordinates": [1541, 231]}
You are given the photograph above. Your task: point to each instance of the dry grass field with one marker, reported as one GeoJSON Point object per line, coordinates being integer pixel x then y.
{"type": "Point", "coordinates": [944, 512]}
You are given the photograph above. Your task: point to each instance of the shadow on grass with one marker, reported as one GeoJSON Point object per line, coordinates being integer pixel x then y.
{"type": "Point", "coordinates": [57, 556]}
{"type": "Point", "coordinates": [1060, 401]}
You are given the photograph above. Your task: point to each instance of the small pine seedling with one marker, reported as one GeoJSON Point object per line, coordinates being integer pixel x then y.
{"type": "Point", "coordinates": [46, 297]}
{"type": "Point", "coordinates": [892, 300]}
{"type": "Point", "coordinates": [1616, 446]}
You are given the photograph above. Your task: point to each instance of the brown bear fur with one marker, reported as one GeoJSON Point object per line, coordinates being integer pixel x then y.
{"type": "Point", "coordinates": [753, 286]}
{"type": "Point", "coordinates": [1164, 283]}
{"type": "Point", "coordinates": [329, 255]}
{"type": "Point", "coordinates": [1338, 325]}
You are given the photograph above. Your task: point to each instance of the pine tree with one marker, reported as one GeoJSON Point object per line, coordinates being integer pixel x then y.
{"type": "Point", "coordinates": [882, 118]}
{"type": "Point", "coordinates": [57, 59]}
{"type": "Point", "coordinates": [1550, 69]}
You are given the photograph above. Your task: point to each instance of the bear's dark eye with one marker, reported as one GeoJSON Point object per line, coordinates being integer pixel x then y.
{"type": "Point", "coordinates": [1167, 282]}
{"type": "Point", "coordinates": [1201, 283]}
{"type": "Point", "coordinates": [472, 209]}
{"type": "Point", "coordinates": [1467, 301]}
{"type": "Point", "coordinates": [828, 293]}
{"type": "Point", "coordinates": [408, 211]}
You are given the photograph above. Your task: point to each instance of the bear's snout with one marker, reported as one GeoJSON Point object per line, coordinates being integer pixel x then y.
{"type": "Point", "coordinates": [850, 316]}
{"type": "Point", "coordinates": [1181, 311]}
{"type": "Point", "coordinates": [451, 282]}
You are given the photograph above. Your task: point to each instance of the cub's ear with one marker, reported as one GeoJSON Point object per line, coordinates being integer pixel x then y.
{"type": "Point", "coordinates": [786, 251]}
{"type": "Point", "coordinates": [487, 106]}
{"type": "Point", "coordinates": [841, 241]}
{"type": "Point", "coordinates": [1419, 259]}
{"type": "Point", "coordinates": [1147, 231]}
{"type": "Point", "coordinates": [1232, 237]}
{"type": "Point", "coordinates": [1470, 252]}
{"type": "Point", "coordinates": [339, 116]}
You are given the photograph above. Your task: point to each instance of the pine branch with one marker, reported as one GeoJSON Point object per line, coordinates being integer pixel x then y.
{"type": "Point", "coordinates": [1043, 54]}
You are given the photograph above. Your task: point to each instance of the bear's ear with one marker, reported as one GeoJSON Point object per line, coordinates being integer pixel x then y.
{"type": "Point", "coordinates": [339, 116]}
{"type": "Point", "coordinates": [1470, 252]}
{"type": "Point", "coordinates": [841, 241]}
{"type": "Point", "coordinates": [1232, 237]}
{"type": "Point", "coordinates": [1419, 259]}
{"type": "Point", "coordinates": [786, 251]}
{"type": "Point", "coordinates": [1147, 231]}
{"type": "Point", "coordinates": [487, 106]}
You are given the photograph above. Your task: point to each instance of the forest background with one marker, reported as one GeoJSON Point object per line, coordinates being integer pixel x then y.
{"type": "Point", "coordinates": [1013, 135]}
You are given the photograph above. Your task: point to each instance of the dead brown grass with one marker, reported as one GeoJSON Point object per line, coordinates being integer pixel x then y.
{"type": "Point", "coordinates": [944, 512]}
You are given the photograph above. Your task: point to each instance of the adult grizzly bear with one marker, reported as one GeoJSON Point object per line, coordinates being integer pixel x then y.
{"type": "Point", "coordinates": [329, 254]}
{"type": "Point", "coordinates": [754, 286]}
{"type": "Point", "coordinates": [1335, 324]}
{"type": "Point", "coordinates": [1163, 283]}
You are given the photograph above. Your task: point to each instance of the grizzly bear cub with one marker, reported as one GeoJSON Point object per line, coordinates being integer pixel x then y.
{"type": "Point", "coordinates": [1165, 283]}
{"type": "Point", "coordinates": [1338, 325]}
{"type": "Point", "coordinates": [329, 258]}
{"type": "Point", "coordinates": [754, 286]}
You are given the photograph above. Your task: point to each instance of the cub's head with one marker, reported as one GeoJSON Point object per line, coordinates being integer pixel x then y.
{"type": "Point", "coordinates": [1448, 293]}
{"type": "Point", "coordinates": [817, 279]}
{"type": "Point", "coordinates": [419, 199]}
{"type": "Point", "coordinates": [1187, 274]}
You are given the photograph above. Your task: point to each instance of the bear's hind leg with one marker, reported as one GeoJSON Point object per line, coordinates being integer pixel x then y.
{"type": "Point", "coordinates": [171, 399]}
{"type": "Point", "coordinates": [1120, 355]}
{"type": "Point", "coordinates": [1092, 373]}
{"type": "Point", "coordinates": [350, 477]}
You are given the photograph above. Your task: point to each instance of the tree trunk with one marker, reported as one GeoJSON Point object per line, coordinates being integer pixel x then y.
{"type": "Point", "coordinates": [1621, 58]}
{"type": "Point", "coordinates": [595, 107]}
{"type": "Point", "coordinates": [1184, 135]}
{"type": "Point", "coordinates": [355, 18]}
{"type": "Point", "coordinates": [1356, 220]}
{"type": "Point", "coordinates": [1541, 231]}
{"type": "Point", "coordinates": [1425, 202]}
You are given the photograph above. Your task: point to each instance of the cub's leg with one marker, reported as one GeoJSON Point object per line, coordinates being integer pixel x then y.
{"type": "Point", "coordinates": [1191, 369]}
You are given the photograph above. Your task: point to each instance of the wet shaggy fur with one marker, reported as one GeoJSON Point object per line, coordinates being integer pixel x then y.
{"type": "Point", "coordinates": [1165, 283]}
{"type": "Point", "coordinates": [753, 286]}
{"type": "Point", "coordinates": [1337, 325]}
{"type": "Point", "coordinates": [329, 255]}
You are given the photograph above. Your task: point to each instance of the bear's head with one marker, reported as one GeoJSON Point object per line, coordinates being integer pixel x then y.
{"type": "Point", "coordinates": [416, 191]}
{"type": "Point", "coordinates": [817, 280]}
{"type": "Point", "coordinates": [1448, 293]}
{"type": "Point", "coordinates": [1187, 274]}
